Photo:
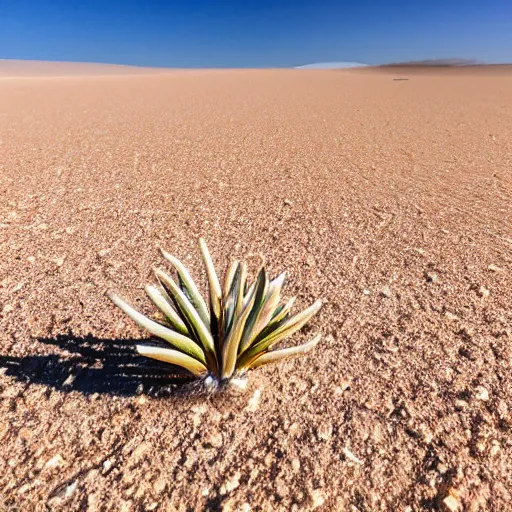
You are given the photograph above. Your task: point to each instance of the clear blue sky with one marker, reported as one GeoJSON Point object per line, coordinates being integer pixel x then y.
{"type": "Point", "coordinates": [254, 33]}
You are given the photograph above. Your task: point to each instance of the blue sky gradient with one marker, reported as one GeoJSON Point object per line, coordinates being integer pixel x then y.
{"type": "Point", "coordinates": [255, 33]}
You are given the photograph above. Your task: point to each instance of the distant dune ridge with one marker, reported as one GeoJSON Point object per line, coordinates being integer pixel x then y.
{"type": "Point", "coordinates": [454, 62]}
{"type": "Point", "coordinates": [332, 65]}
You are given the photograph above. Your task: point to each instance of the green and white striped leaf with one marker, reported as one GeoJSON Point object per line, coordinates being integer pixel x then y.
{"type": "Point", "coordinates": [230, 348]}
{"type": "Point", "coordinates": [163, 302]}
{"type": "Point", "coordinates": [176, 339]}
{"type": "Point", "coordinates": [259, 296]}
{"type": "Point", "coordinates": [269, 305]}
{"type": "Point", "coordinates": [281, 314]}
{"type": "Point", "coordinates": [278, 355]}
{"type": "Point", "coordinates": [230, 300]}
{"type": "Point", "coordinates": [213, 281]}
{"type": "Point", "coordinates": [173, 357]}
{"type": "Point", "coordinates": [192, 292]}
{"type": "Point", "coordinates": [291, 326]}
{"type": "Point", "coordinates": [190, 315]}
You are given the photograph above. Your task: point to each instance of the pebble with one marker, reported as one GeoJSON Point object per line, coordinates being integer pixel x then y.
{"type": "Point", "coordinates": [431, 277]}
{"type": "Point", "coordinates": [295, 465]}
{"type": "Point", "coordinates": [230, 485]}
{"type": "Point", "coordinates": [386, 292]}
{"type": "Point", "coordinates": [70, 489]}
{"type": "Point", "coordinates": [482, 393]}
{"type": "Point", "coordinates": [31, 260]}
{"type": "Point", "coordinates": [451, 316]}
{"type": "Point", "coordinates": [55, 462]}
{"type": "Point", "coordinates": [494, 268]}
{"type": "Point", "coordinates": [7, 308]}
{"type": "Point", "coordinates": [254, 402]}
{"type": "Point", "coordinates": [324, 432]}
{"type": "Point", "coordinates": [483, 292]}
{"type": "Point", "coordinates": [451, 503]}
{"type": "Point", "coordinates": [107, 465]}
{"type": "Point", "coordinates": [350, 456]}
{"type": "Point", "coordinates": [59, 261]}
{"type": "Point", "coordinates": [317, 499]}
{"type": "Point", "coordinates": [287, 202]}
{"type": "Point", "coordinates": [366, 292]}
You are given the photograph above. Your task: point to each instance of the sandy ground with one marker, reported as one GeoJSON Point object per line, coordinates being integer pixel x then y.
{"type": "Point", "coordinates": [390, 199]}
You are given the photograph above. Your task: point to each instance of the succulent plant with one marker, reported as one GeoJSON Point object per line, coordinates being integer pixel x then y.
{"type": "Point", "coordinates": [234, 333]}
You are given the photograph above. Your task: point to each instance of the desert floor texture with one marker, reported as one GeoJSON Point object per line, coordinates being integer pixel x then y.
{"type": "Point", "coordinates": [390, 199]}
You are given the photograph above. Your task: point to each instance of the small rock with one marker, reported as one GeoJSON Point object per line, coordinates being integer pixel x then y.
{"type": "Point", "coordinates": [70, 489]}
{"type": "Point", "coordinates": [350, 456]}
{"type": "Point", "coordinates": [31, 260]}
{"type": "Point", "coordinates": [451, 316]}
{"type": "Point", "coordinates": [483, 292]}
{"type": "Point", "coordinates": [431, 277]}
{"type": "Point", "coordinates": [107, 465]}
{"type": "Point", "coordinates": [366, 292]}
{"type": "Point", "coordinates": [452, 503]}
{"type": "Point", "coordinates": [287, 202]}
{"type": "Point", "coordinates": [55, 462]}
{"type": "Point", "coordinates": [142, 400]}
{"type": "Point", "coordinates": [7, 308]}
{"type": "Point", "coordinates": [103, 252]}
{"type": "Point", "coordinates": [59, 261]}
{"type": "Point", "coordinates": [494, 268]}
{"type": "Point", "coordinates": [254, 402]}
{"type": "Point", "coordinates": [43, 227]}
{"type": "Point", "coordinates": [70, 230]}
{"type": "Point", "coordinates": [317, 499]}
{"type": "Point", "coordinates": [386, 292]}
{"type": "Point", "coordinates": [495, 449]}
{"type": "Point", "coordinates": [230, 485]}
{"type": "Point", "coordinates": [482, 393]}
{"type": "Point", "coordinates": [295, 465]}
{"type": "Point", "coordinates": [324, 432]}
{"type": "Point", "coordinates": [69, 381]}
{"type": "Point", "coordinates": [460, 404]}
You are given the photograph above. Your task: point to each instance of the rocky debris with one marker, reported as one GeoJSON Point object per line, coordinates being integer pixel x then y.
{"type": "Point", "coordinates": [324, 432]}
{"type": "Point", "coordinates": [254, 402]}
{"type": "Point", "coordinates": [231, 484]}
{"type": "Point", "coordinates": [386, 292]}
{"type": "Point", "coordinates": [452, 501]}
{"type": "Point", "coordinates": [55, 462]}
{"type": "Point", "coordinates": [431, 277]}
{"type": "Point", "coordinates": [483, 292]}
{"type": "Point", "coordinates": [317, 498]}
{"type": "Point", "coordinates": [350, 456]}
{"type": "Point", "coordinates": [494, 268]}
{"type": "Point", "coordinates": [482, 393]}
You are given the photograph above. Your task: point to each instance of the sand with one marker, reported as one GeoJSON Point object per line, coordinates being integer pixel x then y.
{"type": "Point", "coordinates": [390, 199]}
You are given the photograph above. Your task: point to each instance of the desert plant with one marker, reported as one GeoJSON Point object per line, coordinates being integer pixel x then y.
{"type": "Point", "coordinates": [235, 333]}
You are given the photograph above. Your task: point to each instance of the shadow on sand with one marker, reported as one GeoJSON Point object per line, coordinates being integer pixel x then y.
{"type": "Point", "coordinates": [93, 365]}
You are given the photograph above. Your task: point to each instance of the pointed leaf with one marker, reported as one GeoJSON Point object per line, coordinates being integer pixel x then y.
{"type": "Point", "coordinates": [259, 295]}
{"type": "Point", "coordinates": [270, 303]}
{"type": "Point", "coordinates": [213, 280]}
{"type": "Point", "coordinates": [192, 292]}
{"type": "Point", "coordinates": [278, 355]}
{"type": "Point", "coordinates": [288, 328]}
{"type": "Point", "coordinates": [228, 279]}
{"type": "Point", "coordinates": [230, 348]}
{"type": "Point", "coordinates": [191, 317]}
{"type": "Point", "coordinates": [163, 302]}
{"type": "Point", "coordinates": [230, 300]}
{"type": "Point", "coordinates": [173, 357]}
{"type": "Point", "coordinates": [179, 341]}
{"type": "Point", "coordinates": [281, 315]}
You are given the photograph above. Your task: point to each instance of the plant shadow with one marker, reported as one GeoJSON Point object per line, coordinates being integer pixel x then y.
{"type": "Point", "coordinates": [94, 365]}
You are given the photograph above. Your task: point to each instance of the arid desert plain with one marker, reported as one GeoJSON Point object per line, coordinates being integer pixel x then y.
{"type": "Point", "coordinates": [385, 192]}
